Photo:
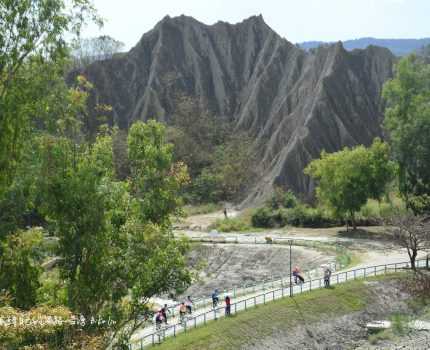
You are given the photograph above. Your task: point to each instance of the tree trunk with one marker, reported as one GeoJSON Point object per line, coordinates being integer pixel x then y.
{"type": "Point", "coordinates": [413, 257]}
{"type": "Point", "coordinates": [354, 224]}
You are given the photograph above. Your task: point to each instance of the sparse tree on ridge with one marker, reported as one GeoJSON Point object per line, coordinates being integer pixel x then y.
{"type": "Point", "coordinates": [88, 50]}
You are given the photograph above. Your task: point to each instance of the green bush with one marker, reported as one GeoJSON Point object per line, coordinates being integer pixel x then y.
{"type": "Point", "coordinates": [282, 199]}
{"type": "Point", "coordinates": [230, 225]}
{"type": "Point", "coordinates": [263, 217]}
{"type": "Point", "coordinates": [400, 324]}
{"type": "Point", "coordinates": [20, 267]}
{"type": "Point", "coordinates": [301, 215]}
{"type": "Point", "coordinates": [373, 211]}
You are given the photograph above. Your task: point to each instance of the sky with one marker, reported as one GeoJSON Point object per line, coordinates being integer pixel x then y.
{"type": "Point", "coordinates": [295, 20]}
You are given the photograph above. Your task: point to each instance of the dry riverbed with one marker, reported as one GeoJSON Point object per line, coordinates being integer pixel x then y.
{"type": "Point", "coordinates": [235, 265]}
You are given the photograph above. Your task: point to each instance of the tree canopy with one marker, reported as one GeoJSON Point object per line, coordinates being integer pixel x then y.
{"type": "Point", "coordinates": [346, 179]}
{"type": "Point", "coordinates": [32, 37]}
{"type": "Point", "coordinates": [407, 120]}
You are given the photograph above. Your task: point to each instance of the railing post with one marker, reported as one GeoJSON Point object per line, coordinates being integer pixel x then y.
{"type": "Point", "coordinates": [255, 301]}
{"type": "Point", "coordinates": [385, 269]}
{"type": "Point", "coordinates": [301, 288]}
{"type": "Point", "coordinates": [337, 279]}
{"type": "Point", "coordinates": [264, 298]}
{"type": "Point", "coordinates": [355, 274]}
{"type": "Point", "coordinates": [153, 339]}
{"type": "Point", "coordinates": [273, 295]}
{"type": "Point", "coordinates": [282, 291]}
{"type": "Point", "coordinates": [364, 272]}
{"type": "Point", "coordinates": [346, 276]}
{"type": "Point", "coordinates": [375, 270]}
{"type": "Point", "coordinates": [310, 285]}
{"type": "Point", "coordinates": [395, 267]}
{"type": "Point", "coordinates": [235, 308]}
{"type": "Point", "coordinates": [174, 329]}
{"type": "Point", "coordinates": [245, 304]}
{"type": "Point", "coordinates": [195, 322]}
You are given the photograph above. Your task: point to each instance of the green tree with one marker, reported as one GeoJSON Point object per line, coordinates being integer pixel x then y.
{"type": "Point", "coordinates": [32, 32]}
{"type": "Point", "coordinates": [116, 254]}
{"type": "Point", "coordinates": [407, 119]}
{"type": "Point", "coordinates": [76, 207]}
{"type": "Point", "coordinates": [20, 267]}
{"type": "Point", "coordinates": [156, 180]}
{"type": "Point", "coordinates": [346, 179]}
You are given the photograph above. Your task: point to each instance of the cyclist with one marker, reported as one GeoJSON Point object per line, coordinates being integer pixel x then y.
{"type": "Point", "coordinates": [298, 278]}
{"type": "Point", "coordinates": [215, 298]}
{"type": "Point", "coordinates": [227, 305]}
{"type": "Point", "coordinates": [189, 304]}
{"type": "Point", "coordinates": [327, 275]}
{"type": "Point", "coordinates": [182, 312]}
{"type": "Point", "coordinates": [158, 320]}
{"type": "Point", "coordinates": [164, 312]}
{"type": "Point", "coordinates": [295, 273]}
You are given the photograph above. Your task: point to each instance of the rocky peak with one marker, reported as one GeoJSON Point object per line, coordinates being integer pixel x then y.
{"type": "Point", "coordinates": [295, 103]}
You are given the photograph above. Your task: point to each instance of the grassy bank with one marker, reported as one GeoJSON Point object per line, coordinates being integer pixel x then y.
{"type": "Point", "coordinates": [246, 327]}
{"type": "Point", "coordinates": [190, 210]}
{"type": "Point", "coordinates": [241, 223]}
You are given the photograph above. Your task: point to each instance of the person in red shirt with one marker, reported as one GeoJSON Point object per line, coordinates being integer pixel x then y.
{"type": "Point", "coordinates": [227, 305]}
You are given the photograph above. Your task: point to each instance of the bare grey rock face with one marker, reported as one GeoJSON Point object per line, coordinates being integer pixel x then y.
{"type": "Point", "coordinates": [295, 103]}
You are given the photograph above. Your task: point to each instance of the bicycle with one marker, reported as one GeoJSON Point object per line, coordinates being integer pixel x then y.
{"type": "Point", "coordinates": [183, 319]}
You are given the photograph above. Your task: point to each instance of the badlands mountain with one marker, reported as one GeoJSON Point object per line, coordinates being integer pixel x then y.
{"type": "Point", "coordinates": [294, 103]}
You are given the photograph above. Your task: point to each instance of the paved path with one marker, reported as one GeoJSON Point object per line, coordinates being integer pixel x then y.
{"type": "Point", "coordinates": [148, 336]}
{"type": "Point", "coordinates": [205, 305]}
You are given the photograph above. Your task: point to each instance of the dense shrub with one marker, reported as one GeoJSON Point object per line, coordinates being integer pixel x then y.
{"type": "Point", "coordinates": [301, 215]}
{"type": "Point", "coordinates": [230, 225]}
{"type": "Point", "coordinates": [373, 211]}
{"type": "Point", "coordinates": [263, 217]}
{"type": "Point", "coordinates": [282, 199]}
{"type": "Point", "coordinates": [20, 267]}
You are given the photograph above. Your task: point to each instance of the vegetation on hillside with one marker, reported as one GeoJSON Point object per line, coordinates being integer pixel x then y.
{"type": "Point", "coordinates": [220, 160]}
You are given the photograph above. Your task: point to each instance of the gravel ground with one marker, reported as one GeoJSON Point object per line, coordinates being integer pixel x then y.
{"type": "Point", "coordinates": [229, 265]}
